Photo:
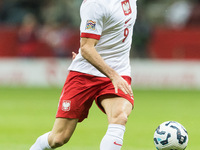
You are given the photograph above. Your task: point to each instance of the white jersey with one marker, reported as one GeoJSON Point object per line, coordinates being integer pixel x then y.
{"type": "Point", "coordinates": [111, 22]}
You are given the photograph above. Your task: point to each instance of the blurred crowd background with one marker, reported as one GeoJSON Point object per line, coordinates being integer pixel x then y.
{"type": "Point", "coordinates": [50, 28]}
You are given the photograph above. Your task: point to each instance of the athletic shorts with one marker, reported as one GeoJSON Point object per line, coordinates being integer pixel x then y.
{"type": "Point", "coordinates": [79, 92]}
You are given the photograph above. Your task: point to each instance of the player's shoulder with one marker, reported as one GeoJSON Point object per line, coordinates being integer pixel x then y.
{"type": "Point", "coordinates": [102, 3]}
{"type": "Point", "coordinates": [98, 6]}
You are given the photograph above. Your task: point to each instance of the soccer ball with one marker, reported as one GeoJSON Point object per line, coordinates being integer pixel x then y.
{"type": "Point", "coordinates": [170, 135]}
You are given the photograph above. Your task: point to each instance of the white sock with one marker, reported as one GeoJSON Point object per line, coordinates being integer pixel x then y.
{"type": "Point", "coordinates": [113, 139]}
{"type": "Point", "coordinates": [41, 143]}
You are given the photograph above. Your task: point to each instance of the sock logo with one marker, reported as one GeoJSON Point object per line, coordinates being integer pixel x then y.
{"type": "Point", "coordinates": [117, 144]}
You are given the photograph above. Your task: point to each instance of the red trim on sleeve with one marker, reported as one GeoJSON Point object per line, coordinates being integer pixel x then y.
{"type": "Point", "coordinates": [90, 35]}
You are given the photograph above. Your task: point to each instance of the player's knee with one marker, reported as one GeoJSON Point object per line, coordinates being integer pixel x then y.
{"type": "Point", "coordinates": [123, 118]}
{"type": "Point", "coordinates": [119, 118]}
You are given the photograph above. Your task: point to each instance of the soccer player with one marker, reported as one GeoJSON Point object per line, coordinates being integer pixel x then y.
{"type": "Point", "coordinates": [100, 72]}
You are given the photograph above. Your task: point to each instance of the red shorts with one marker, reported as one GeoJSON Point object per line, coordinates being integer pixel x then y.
{"type": "Point", "coordinates": [79, 92]}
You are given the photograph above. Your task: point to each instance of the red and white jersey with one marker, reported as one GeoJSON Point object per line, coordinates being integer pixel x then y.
{"type": "Point", "coordinates": [111, 22]}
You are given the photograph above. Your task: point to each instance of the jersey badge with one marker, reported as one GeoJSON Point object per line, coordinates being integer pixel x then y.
{"type": "Point", "coordinates": [66, 105]}
{"type": "Point", "coordinates": [126, 7]}
{"type": "Point", "coordinates": [90, 25]}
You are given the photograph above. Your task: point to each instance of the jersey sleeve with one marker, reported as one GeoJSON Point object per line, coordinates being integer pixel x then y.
{"type": "Point", "coordinates": [91, 20]}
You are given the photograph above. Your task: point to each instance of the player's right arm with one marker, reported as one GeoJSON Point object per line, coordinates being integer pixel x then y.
{"type": "Point", "coordinates": [89, 52]}
{"type": "Point", "coordinates": [92, 14]}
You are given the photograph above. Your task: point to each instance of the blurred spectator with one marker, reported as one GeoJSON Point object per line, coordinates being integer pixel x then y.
{"type": "Point", "coordinates": [62, 11]}
{"type": "Point", "coordinates": [194, 18]}
{"type": "Point", "coordinates": [59, 22]}
{"type": "Point", "coordinates": [61, 39]}
{"type": "Point", "coordinates": [141, 35]}
{"type": "Point", "coordinates": [53, 35]}
{"type": "Point", "coordinates": [178, 13]}
{"type": "Point", "coordinates": [154, 11]}
{"type": "Point", "coordinates": [73, 11]}
{"type": "Point", "coordinates": [27, 36]}
{"type": "Point", "coordinates": [53, 11]}
{"type": "Point", "coordinates": [13, 11]}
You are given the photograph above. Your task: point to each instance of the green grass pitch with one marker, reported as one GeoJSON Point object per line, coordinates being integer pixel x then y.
{"type": "Point", "coordinates": [26, 113]}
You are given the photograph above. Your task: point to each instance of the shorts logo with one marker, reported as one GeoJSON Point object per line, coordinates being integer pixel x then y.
{"type": "Point", "coordinates": [66, 105]}
{"type": "Point", "coordinates": [126, 7]}
{"type": "Point", "coordinates": [90, 25]}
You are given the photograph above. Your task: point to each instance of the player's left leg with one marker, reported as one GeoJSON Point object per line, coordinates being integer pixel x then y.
{"type": "Point", "coordinates": [117, 109]}
{"type": "Point", "coordinates": [61, 133]}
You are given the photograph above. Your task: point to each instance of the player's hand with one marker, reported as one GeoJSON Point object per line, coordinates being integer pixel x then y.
{"type": "Point", "coordinates": [120, 83]}
{"type": "Point", "coordinates": [73, 55]}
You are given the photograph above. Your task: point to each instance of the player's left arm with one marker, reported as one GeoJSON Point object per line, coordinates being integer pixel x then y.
{"type": "Point", "coordinates": [89, 52]}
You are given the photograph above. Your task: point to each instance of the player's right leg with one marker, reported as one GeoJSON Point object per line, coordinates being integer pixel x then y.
{"type": "Point", "coordinates": [61, 133]}
{"type": "Point", "coordinates": [117, 110]}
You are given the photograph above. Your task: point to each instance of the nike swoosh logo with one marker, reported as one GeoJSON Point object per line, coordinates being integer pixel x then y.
{"type": "Point", "coordinates": [127, 21]}
{"type": "Point", "coordinates": [117, 144]}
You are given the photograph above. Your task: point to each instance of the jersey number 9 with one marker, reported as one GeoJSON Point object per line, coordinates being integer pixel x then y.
{"type": "Point", "coordinates": [126, 32]}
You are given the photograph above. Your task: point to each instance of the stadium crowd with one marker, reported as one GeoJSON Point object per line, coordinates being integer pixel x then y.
{"type": "Point", "coordinates": [51, 27]}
